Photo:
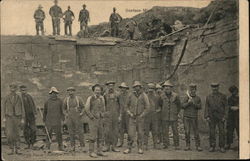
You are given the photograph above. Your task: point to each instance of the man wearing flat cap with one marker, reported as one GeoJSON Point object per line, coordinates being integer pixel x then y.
{"type": "Point", "coordinates": [170, 108]}
{"type": "Point", "coordinates": [233, 115]}
{"type": "Point", "coordinates": [112, 117]}
{"type": "Point", "coordinates": [137, 106]}
{"type": "Point", "coordinates": [56, 14]}
{"type": "Point", "coordinates": [53, 116]}
{"type": "Point", "coordinates": [13, 117]}
{"type": "Point", "coordinates": [159, 115]}
{"type": "Point", "coordinates": [95, 108]}
{"type": "Point", "coordinates": [191, 105]}
{"type": "Point", "coordinates": [73, 110]}
{"type": "Point", "coordinates": [151, 121]}
{"type": "Point", "coordinates": [123, 126]}
{"type": "Point", "coordinates": [215, 109]}
{"type": "Point", "coordinates": [29, 131]}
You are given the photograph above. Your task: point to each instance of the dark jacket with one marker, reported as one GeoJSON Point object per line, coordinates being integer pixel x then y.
{"type": "Point", "coordinates": [154, 101]}
{"type": "Point", "coordinates": [53, 112]}
{"type": "Point", "coordinates": [84, 16]}
{"type": "Point", "coordinates": [233, 101]}
{"type": "Point", "coordinates": [170, 107]}
{"type": "Point", "coordinates": [122, 101]}
{"type": "Point", "coordinates": [95, 107]}
{"type": "Point", "coordinates": [12, 106]}
{"type": "Point", "coordinates": [55, 11]}
{"type": "Point", "coordinates": [215, 107]}
{"type": "Point", "coordinates": [112, 104]}
{"type": "Point", "coordinates": [191, 109]}
{"type": "Point", "coordinates": [39, 15]}
{"type": "Point", "coordinates": [29, 106]}
{"type": "Point", "coordinates": [138, 105]}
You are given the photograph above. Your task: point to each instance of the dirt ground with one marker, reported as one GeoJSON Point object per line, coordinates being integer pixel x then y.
{"type": "Point", "coordinates": [161, 154]}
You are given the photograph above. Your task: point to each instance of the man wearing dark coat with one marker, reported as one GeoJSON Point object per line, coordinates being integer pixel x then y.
{"type": "Point", "coordinates": [14, 116]}
{"type": "Point", "coordinates": [53, 117]}
{"type": "Point", "coordinates": [29, 131]}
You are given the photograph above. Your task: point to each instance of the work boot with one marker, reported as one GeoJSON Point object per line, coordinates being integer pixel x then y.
{"type": "Point", "coordinates": [106, 149]}
{"type": "Point", "coordinates": [16, 151]}
{"type": "Point", "coordinates": [127, 151]}
{"type": "Point", "coordinates": [101, 154]}
{"type": "Point", "coordinates": [211, 149]}
{"type": "Point", "coordinates": [140, 151]}
{"type": "Point", "coordinates": [222, 150]}
{"type": "Point", "coordinates": [60, 148]}
{"type": "Point", "coordinates": [177, 148]}
{"type": "Point", "coordinates": [187, 148]}
{"type": "Point", "coordinates": [72, 149]}
{"type": "Point", "coordinates": [198, 148]}
{"type": "Point", "coordinates": [228, 146]}
{"type": "Point", "coordinates": [165, 147]}
{"type": "Point", "coordinates": [120, 144]}
{"type": "Point", "coordinates": [93, 155]}
{"type": "Point", "coordinates": [82, 149]}
{"type": "Point", "coordinates": [114, 149]}
{"type": "Point", "coordinates": [28, 147]}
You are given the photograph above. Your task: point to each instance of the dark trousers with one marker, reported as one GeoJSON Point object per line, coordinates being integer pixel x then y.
{"type": "Point", "coordinates": [191, 123]}
{"type": "Point", "coordinates": [232, 124]}
{"type": "Point", "coordinates": [114, 30]}
{"type": "Point", "coordinates": [75, 127]}
{"type": "Point", "coordinates": [68, 25]}
{"type": "Point", "coordinates": [136, 126]}
{"type": "Point", "coordinates": [39, 26]}
{"type": "Point", "coordinates": [111, 130]}
{"type": "Point", "coordinates": [58, 130]}
{"type": "Point", "coordinates": [123, 126]}
{"type": "Point", "coordinates": [56, 26]}
{"type": "Point", "coordinates": [212, 137]}
{"type": "Point", "coordinates": [150, 124]}
{"type": "Point", "coordinates": [13, 129]}
{"type": "Point", "coordinates": [160, 130]}
{"type": "Point", "coordinates": [29, 131]}
{"type": "Point", "coordinates": [96, 134]}
{"type": "Point", "coordinates": [131, 35]}
{"type": "Point", "coordinates": [84, 27]}
{"type": "Point", "coordinates": [174, 126]}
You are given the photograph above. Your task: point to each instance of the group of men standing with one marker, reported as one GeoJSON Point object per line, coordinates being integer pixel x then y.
{"type": "Point", "coordinates": [112, 114]}
{"type": "Point", "coordinates": [68, 16]}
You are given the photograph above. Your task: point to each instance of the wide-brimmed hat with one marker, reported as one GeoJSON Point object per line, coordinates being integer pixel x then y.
{"type": "Point", "coordinates": [158, 86]}
{"type": "Point", "coordinates": [53, 89]}
{"type": "Point", "coordinates": [22, 86]}
{"type": "Point", "coordinates": [71, 89]}
{"type": "Point", "coordinates": [124, 85]}
{"type": "Point", "coordinates": [110, 82]}
{"type": "Point", "coordinates": [137, 83]}
{"type": "Point", "coordinates": [151, 85]}
{"type": "Point", "coordinates": [167, 83]}
{"type": "Point", "coordinates": [215, 85]}
{"type": "Point", "coordinates": [13, 85]}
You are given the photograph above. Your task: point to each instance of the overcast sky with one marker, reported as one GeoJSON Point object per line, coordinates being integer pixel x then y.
{"type": "Point", "coordinates": [17, 15]}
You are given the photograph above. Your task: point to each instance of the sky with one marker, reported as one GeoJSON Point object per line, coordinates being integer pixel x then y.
{"type": "Point", "coordinates": [17, 15]}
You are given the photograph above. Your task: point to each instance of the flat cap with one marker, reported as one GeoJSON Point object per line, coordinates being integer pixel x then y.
{"type": "Point", "coordinates": [53, 89]}
{"type": "Point", "coordinates": [124, 85]}
{"type": "Point", "coordinates": [167, 83]}
{"type": "Point", "coordinates": [233, 88]}
{"type": "Point", "coordinates": [137, 83]}
{"type": "Point", "coordinates": [192, 85]}
{"type": "Point", "coordinates": [151, 85]}
{"type": "Point", "coordinates": [110, 82]}
{"type": "Point", "coordinates": [215, 84]}
{"type": "Point", "coordinates": [71, 89]}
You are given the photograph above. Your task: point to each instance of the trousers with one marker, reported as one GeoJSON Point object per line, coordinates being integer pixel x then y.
{"type": "Point", "coordinates": [58, 130]}
{"type": "Point", "coordinates": [29, 131]}
{"type": "Point", "coordinates": [13, 130]}
{"type": "Point", "coordinates": [151, 124]}
{"type": "Point", "coordinates": [96, 134]}
{"type": "Point", "coordinates": [174, 126]}
{"type": "Point", "coordinates": [68, 26]}
{"type": "Point", "coordinates": [39, 26]}
{"type": "Point", "coordinates": [56, 26]}
{"type": "Point", "coordinates": [212, 137]}
{"type": "Point", "coordinates": [111, 130]}
{"type": "Point", "coordinates": [232, 124]}
{"type": "Point", "coordinates": [123, 126]}
{"type": "Point", "coordinates": [114, 29]}
{"type": "Point", "coordinates": [191, 123]}
{"type": "Point", "coordinates": [136, 126]}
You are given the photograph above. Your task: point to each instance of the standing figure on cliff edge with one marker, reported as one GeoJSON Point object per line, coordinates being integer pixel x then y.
{"type": "Point", "coordinates": [56, 13]}
{"type": "Point", "coordinates": [68, 19]}
{"type": "Point", "coordinates": [115, 19]}
{"type": "Point", "coordinates": [84, 19]}
{"type": "Point", "coordinates": [39, 17]}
